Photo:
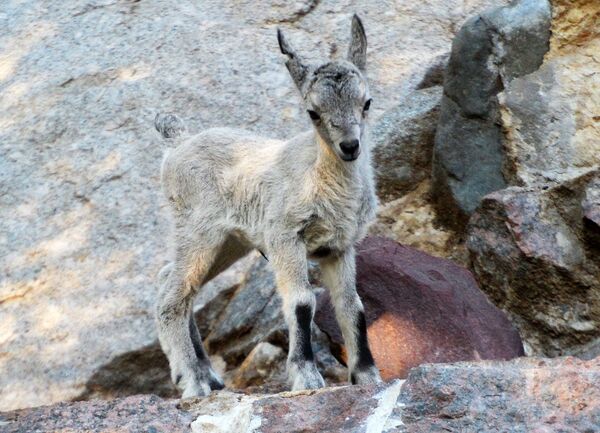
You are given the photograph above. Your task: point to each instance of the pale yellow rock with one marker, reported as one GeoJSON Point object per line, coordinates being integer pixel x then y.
{"type": "Point", "coordinates": [551, 117]}
{"type": "Point", "coordinates": [575, 23]}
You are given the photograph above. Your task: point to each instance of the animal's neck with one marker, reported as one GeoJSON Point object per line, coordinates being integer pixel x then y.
{"type": "Point", "coordinates": [331, 170]}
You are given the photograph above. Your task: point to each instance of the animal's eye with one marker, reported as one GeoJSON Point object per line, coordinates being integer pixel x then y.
{"type": "Point", "coordinates": [313, 115]}
{"type": "Point", "coordinates": [367, 105]}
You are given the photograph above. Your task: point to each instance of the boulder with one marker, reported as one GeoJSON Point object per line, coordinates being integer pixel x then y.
{"type": "Point", "coordinates": [534, 251]}
{"type": "Point", "coordinates": [251, 316]}
{"type": "Point", "coordinates": [489, 51]}
{"type": "Point", "coordinates": [403, 143]}
{"type": "Point", "coordinates": [419, 309]}
{"type": "Point", "coordinates": [549, 117]}
{"type": "Point", "coordinates": [520, 396]}
{"type": "Point", "coordinates": [412, 221]}
{"type": "Point", "coordinates": [83, 224]}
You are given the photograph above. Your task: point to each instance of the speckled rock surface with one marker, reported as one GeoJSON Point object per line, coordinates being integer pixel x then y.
{"type": "Point", "coordinates": [82, 222]}
{"type": "Point", "coordinates": [421, 309]}
{"type": "Point", "coordinates": [550, 117]}
{"type": "Point", "coordinates": [412, 221]}
{"type": "Point", "coordinates": [135, 414]}
{"type": "Point", "coordinates": [403, 143]}
{"type": "Point", "coordinates": [349, 409]}
{"type": "Point", "coordinates": [535, 253]}
{"type": "Point", "coordinates": [521, 396]}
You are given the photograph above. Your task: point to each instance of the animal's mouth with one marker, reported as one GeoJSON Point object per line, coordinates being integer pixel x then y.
{"type": "Point", "coordinates": [350, 157]}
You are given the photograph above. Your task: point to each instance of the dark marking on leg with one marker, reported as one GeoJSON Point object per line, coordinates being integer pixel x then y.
{"type": "Point", "coordinates": [196, 340]}
{"type": "Point", "coordinates": [365, 358]}
{"type": "Point", "coordinates": [321, 252]}
{"type": "Point", "coordinates": [352, 379]}
{"type": "Point", "coordinates": [263, 254]}
{"type": "Point", "coordinates": [178, 379]}
{"type": "Point", "coordinates": [215, 385]}
{"type": "Point", "coordinates": [303, 350]}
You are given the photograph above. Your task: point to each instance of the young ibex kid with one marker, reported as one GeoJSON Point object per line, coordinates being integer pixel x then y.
{"type": "Point", "coordinates": [311, 197]}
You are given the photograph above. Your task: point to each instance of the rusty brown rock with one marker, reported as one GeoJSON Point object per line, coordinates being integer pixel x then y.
{"type": "Point", "coordinates": [348, 409]}
{"type": "Point", "coordinates": [140, 413]}
{"type": "Point", "coordinates": [535, 253]}
{"type": "Point", "coordinates": [420, 308]}
{"type": "Point", "coordinates": [520, 396]}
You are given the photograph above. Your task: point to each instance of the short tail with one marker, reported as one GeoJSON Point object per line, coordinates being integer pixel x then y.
{"type": "Point", "coordinates": [169, 125]}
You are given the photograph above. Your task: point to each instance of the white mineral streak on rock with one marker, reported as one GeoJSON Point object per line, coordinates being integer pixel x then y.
{"type": "Point", "coordinates": [387, 401]}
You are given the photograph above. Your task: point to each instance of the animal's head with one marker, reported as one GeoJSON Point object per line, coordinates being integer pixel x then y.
{"type": "Point", "coordinates": [336, 94]}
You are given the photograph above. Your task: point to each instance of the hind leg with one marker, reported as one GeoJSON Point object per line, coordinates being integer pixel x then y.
{"type": "Point", "coordinates": [231, 250]}
{"type": "Point", "coordinates": [190, 367]}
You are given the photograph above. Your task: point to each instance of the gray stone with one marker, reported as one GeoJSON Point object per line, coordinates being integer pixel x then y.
{"type": "Point", "coordinates": [262, 363]}
{"type": "Point", "coordinates": [253, 315]}
{"type": "Point", "coordinates": [489, 51]}
{"type": "Point", "coordinates": [403, 143]}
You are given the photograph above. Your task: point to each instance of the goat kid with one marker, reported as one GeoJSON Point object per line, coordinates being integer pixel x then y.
{"type": "Point", "coordinates": [311, 197]}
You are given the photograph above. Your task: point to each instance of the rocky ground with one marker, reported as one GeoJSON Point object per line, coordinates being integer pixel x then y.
{"type": "Point", "coordinates": [535, 395]}
{"type": "Point", "coordinates": [486, 142]}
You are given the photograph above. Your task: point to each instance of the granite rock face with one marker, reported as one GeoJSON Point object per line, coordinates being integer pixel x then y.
{"type": "Point", "coordinates": [140, 413]}
{"type": "Point", "coordinates": [520, 396]}
{"type": "Point", "coordinates": [421, 309]}
{"type": "Point", "coordinates": [403, 143]}
{"type": "Point", "coordinates": [550, 117]}
{"type": "Point", "coordinates": [535, 253]}
{"type": "Point", "coordinates": [82, 223]}
{"type": "Point", "coordinates": [489, 51]}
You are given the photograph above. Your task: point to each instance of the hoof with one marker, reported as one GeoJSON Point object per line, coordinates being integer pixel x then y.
{"type": "Point", "coordinates": [365, 377]}
{"type": "Point", "coordinates": [306, 377]}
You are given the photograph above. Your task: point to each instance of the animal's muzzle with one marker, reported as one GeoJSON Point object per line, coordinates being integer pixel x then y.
{"type": "Point", "coordinates": [350, 149]}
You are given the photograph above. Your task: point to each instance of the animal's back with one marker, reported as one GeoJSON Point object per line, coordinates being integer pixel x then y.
{"type": "Point", "coordinates": [213, 164]}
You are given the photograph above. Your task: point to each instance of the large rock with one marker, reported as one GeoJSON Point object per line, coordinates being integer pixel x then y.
{"type": "Point", "coordinates": [521, 396]}
{"type": "Point", "coordinates": [549, 117]}
{"type": "Point", "coordinates": [82, 222]}
{"type": "Point", "coordinates": [403, 143]}
{"type": "Point", "coordinates": [421, 309]}
{"type": "Point", "coordinates": [489, 51]}
{"type": "Point", "coordinates": [534, 251]}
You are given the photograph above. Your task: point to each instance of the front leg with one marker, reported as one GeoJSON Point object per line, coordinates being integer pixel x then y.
{"type": "Point", "coordinates": [339, 276]}
{"type": "Point", "coordinates": [290, 266]}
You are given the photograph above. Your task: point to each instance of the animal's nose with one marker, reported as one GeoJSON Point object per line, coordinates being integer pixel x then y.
{"type": "Point", "coordinates": [349, 147]}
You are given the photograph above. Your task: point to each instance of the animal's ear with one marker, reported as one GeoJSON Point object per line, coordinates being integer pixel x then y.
{"type": "Point", "coordinates": [294, 64]}
{"type": "Point", "coordinates": [357, 52]}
